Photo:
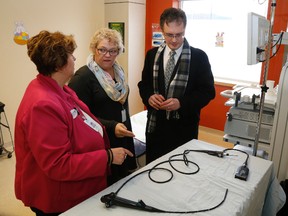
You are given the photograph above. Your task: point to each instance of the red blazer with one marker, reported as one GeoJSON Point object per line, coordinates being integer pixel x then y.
{"type": "Point", "coordinates": [60, 160]}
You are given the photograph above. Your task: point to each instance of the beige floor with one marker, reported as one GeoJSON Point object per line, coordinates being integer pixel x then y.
{"type": "Point", "coordinates": [10, 206]}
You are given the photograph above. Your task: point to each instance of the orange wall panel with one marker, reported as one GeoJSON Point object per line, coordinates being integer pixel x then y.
{"type": "Point", "coordinates": [154, 9]}
{"type": "Point", "coordinates": [214, 114]}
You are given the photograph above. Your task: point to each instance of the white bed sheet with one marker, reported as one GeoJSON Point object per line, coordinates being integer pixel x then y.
{"type": "Point", "coordinates": [202, 190]}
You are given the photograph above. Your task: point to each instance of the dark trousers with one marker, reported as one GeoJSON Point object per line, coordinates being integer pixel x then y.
{"type": "Point", "coordinates": [38, 212]}
{"type": "Point", "coordinates": [168, 135]}
{"type": "Point", "coordinates": [117, 172]}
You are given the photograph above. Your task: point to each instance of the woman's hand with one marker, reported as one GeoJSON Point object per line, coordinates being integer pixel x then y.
{"type": "Point", "coordinates": [119, 155]}
{"type": "Point", "coordinates": [121, 131]}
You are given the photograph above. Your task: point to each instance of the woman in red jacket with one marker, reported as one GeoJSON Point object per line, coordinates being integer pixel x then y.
{"type": "Point", "coordinates": [62, 151]}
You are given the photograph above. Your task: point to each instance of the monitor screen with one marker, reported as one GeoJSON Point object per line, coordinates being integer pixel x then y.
{"type": "Point", "coordinates": [258, 35]}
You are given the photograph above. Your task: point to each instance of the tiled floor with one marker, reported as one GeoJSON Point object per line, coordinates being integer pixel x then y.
{"type": "Point", "coordinates": [10, 206]}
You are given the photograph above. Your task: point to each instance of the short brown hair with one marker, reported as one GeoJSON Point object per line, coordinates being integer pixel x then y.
{"type": "Point", "coordinates": [173, 14]}
{"type": "Point", "coordinates": [49, 51]}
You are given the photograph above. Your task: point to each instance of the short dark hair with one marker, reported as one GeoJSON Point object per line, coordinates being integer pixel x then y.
{"type": "Point", "coordinates": [173, 14]}
{"type": "Point", "coordinates": [49, 51]}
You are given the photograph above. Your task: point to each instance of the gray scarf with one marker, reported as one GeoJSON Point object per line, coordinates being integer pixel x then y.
{"type": "Point", "coordinates": [116, 91]}
{"type": "Point", "coordinates": [176, 87]}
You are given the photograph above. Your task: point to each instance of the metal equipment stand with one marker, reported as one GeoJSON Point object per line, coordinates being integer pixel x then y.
{"type": "Point", "coordinates": [5, 125]}
{"type": "Point", "coordinates": [264, 87]}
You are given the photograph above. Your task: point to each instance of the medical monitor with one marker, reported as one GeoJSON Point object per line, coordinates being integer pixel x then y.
{"type": "Point", "coordinates": [258, 35]}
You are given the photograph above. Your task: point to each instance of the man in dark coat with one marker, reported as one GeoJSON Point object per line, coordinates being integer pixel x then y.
{"type": "Point", "coordinates": [174, 98]}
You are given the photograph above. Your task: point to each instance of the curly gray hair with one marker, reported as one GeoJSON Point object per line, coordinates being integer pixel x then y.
{"type": "Point", "coordinates": [105, 33]}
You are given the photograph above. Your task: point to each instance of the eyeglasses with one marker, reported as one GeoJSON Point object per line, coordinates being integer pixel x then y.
{"type": "Point", "coordinates": [73, 57]}
{"type": "Point", "coordinates": [176, 36]}
{"type": "Point", "coordinates": [112, 52]}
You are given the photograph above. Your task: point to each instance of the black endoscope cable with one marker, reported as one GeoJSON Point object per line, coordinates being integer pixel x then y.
{"type": "Point", "coordinates": [112, 198]}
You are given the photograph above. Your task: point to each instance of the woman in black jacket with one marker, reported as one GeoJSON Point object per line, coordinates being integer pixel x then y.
{"type": "Point", "coordinates": [101, 84]}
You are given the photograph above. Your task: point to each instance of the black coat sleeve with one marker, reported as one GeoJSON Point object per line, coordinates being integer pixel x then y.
{"type": "Point", "coordinates": [146, 84]}
{"type": "Point", "coordinates": [200, 88]}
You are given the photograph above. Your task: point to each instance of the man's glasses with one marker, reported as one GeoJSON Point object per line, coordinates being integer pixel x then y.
{"type": "Point", "coordinates": [176, 36]}
{"type": "Point", "coordinates": [112, 52]}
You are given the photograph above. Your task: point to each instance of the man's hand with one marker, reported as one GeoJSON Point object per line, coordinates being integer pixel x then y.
{"type": "Point", "coordinates": [170, 104]}
{"type": "Point", "coordinates": [155, 101]}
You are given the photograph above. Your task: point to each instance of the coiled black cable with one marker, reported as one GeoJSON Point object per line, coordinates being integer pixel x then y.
{"type": "Point", "coordinates": [113, 199]}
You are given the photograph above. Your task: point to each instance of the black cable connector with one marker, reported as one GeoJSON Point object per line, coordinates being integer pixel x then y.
{"type": "Point", "coordinates": [259, 50]}
{"type": "Point", "coordinates": [210, 152]}
{"type": "Point", "coordinates": [112, 199]}
{"type": "Point", "coordinates": [242, 172]}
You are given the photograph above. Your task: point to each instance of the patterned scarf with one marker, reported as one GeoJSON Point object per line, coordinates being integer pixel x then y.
{"type": "Point", "coordinates": [117, 91]}
{"type": "Point", "coordinates": [177, 86]}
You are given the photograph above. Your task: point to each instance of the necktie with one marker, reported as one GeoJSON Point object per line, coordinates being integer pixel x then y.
{"type": "Point", "coordinates": [169, 67]}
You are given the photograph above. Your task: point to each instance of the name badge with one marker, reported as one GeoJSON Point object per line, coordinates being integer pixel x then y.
{"type": "Point", "coordinates": [92, 123]}
{"type": "Point", "coordinates": [123, 113]}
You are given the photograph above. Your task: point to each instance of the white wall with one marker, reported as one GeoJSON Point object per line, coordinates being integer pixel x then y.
{"type": "Point", "coordinates": [80, 18]}
{"type": "Point", "coordinates": [132, 60]}
{"type": "Point", "coordinates": [136, 54]}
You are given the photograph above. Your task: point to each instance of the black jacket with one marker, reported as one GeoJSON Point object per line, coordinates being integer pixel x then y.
{"type": "Point", "coordinates": [108, 111]}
